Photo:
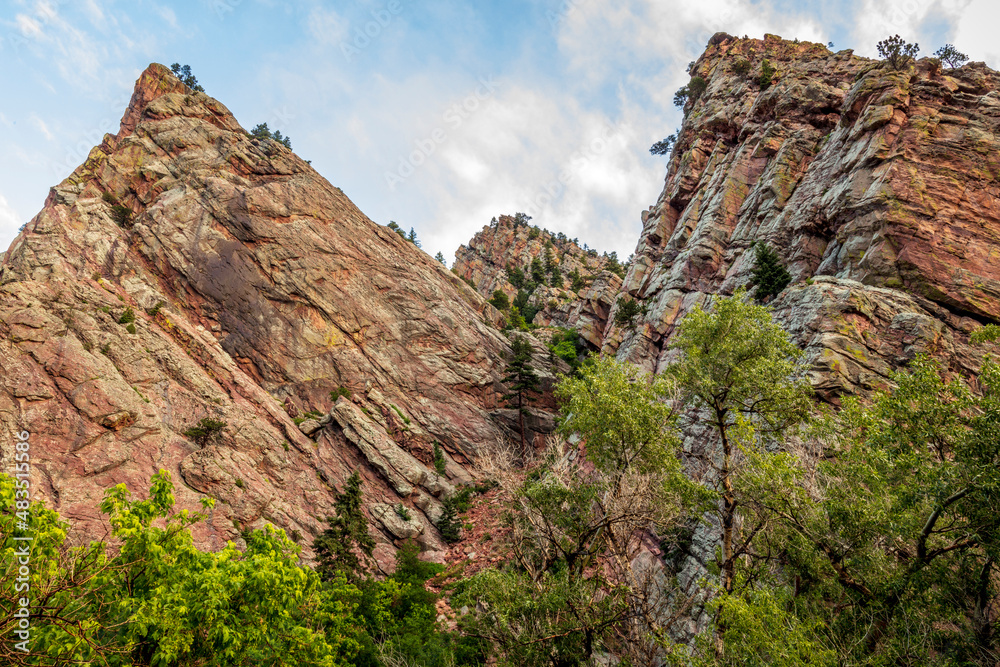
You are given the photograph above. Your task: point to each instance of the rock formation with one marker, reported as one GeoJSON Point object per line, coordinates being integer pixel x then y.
{"type": "Point", "coordinates": [187, 270]}
{"type": "Point", "coordinates": [582, 305]}
{"type": "Point", "coordinates": [880, 190]}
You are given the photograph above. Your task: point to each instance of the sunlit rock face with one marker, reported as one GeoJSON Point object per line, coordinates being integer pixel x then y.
{"type": "Point", "coordinates": [879, 189]}
{"type": "Point", "coordinates": [257, 289]}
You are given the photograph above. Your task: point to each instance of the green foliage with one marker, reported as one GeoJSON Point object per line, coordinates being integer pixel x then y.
{"type": "Point", "coordinates": [412, 238]}
{"type": "Point", "coordinates": [897, 52]}
{"type": "Point", "coordinates": [664, 146]}
{"type": "Point", "coordinates": [183, 72]}
{"type": "Point", "coordinates": [440, 257]}
{"type": "Point", "coordinates": [208, 431]}
{"type": "Point", "coordinates": [439, 461]}
{"type": "Point", "coordinates": [127, 317]}
{"type": "Point", "coordinates": [402, 512]}
{"type": "Point", "coordinates": [951, 56]}
{"type": "Point", "coordinates": [576, 280]}
{"type": "Point", "coordinates": [768, 275]}
{"type": "Point", "coordinates": [449, 522]}
{"type": "Point", "coordinates": [515, 276]}
{"type": "Point", "coordinates": [626, 312]}
{"type": "Point", "coordinates": [338, 392]}
{"type": "Point", "coordinates": [130, 328]}
{"type": "Point", "coordinates": [741, 66]}
{"type": "Point", "coordinates": [537, 271]}
{"type": "Point", "coordinates": [262, 131]}
{"type": "Point", "coordinates": [534, 233]}
{"type": "Point", "coordinates": [766, 76]}
{"type": "Point", "coordinates": [500, 301]}
{"type": "Point", "coordinates": [345, 548]}
{"type": "Point", "coordinates": [568, 346]}
{"type": "Point", "coordinates": [737, 366]}
{"type": "Point", "coordinates": [155, 599]}
{"type": "Point", "coordinates": [154, 311]}
{"type": "Point", "coordinates": [394, 226]}
{"type": "Point", "coordinates": [987, 333]}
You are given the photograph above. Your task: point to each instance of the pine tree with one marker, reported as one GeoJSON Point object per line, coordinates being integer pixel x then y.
{"type": "Point", "coordinates": [440, 257]}
{"type": "Point", "coordinates": [338, 546]}
{"type": "Point", "coordinates": [522, 379]}
{"type": "Point", "coordinates": [769, 276]}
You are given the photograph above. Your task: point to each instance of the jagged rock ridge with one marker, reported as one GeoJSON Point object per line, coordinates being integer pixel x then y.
{"type": "Point", "coordinates": [879, 189]}
{"type": "Point", "coordinates": [257, 290]}
{"type": "Point", "coordinates": [508, 243]}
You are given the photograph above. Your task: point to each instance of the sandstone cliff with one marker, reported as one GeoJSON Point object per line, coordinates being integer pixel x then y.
{"type": "Point", "coordinates": [257, 289]}
{"type": "Point", "coordinates": [577, 296]}
{"type": "Point", "coordinates": [879, 189]}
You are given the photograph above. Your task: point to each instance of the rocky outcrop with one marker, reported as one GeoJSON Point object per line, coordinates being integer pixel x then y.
{"type": "Point", "coordinates": [258, 292]}
{"type": "Point", "coordinates": [879, 189]}
{"type": "Point", "coordinates": [578, 295]}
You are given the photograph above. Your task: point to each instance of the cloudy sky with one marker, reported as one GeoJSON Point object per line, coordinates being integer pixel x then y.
{"type": "Point", "coordinates": [438, 114]}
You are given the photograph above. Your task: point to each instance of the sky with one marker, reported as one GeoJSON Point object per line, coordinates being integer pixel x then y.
{"type": "Point", "coordinates": [437, 114]}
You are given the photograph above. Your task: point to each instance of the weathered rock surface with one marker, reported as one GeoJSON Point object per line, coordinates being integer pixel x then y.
{"type": "Point", "coordinates": [506, 243]}
{"type": "Point", "coordinates": [879, 189]}
{"type": "Point", "coordinates": [258, 289]}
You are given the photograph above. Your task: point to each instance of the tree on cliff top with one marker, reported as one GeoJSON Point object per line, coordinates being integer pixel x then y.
{"type": "Point", "coordinates": [897, 52]}
{"type": "Point", "coordinates": [183, 72]}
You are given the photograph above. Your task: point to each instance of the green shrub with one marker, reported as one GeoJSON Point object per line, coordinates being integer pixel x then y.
{"type": "Point", "coordinates": [448, 523]}
{"type": "Point", "coordinates": [262, 132]}
{"type": "Point", "coordinates": [500, 300]}
{"type": "Point", "coordinates": [626, 313]}
{"type": "Point", "coordinates": [127, 317]}
{"type": "Point", "coordinates": [152, 312]}
{"type": "Point", "coordinates": [741, 66]}
{"type": "Point", "coordinates": [402, 512]}
{"type": "Point", "coordinates": [183, 72]}
{"type": "Point", "coordinates": [951, 56]}
{"type": "Point", "coordinates": [439, 461]}
{"type": "Point", "coordinates": [130, 328]}
{"type": "Point", "coordinates": [240, 483]}
{"type": "Point", "coordinates": [767, 72]}
{"type": "Point", "coordinates": [338, 392]}
{"type": "Point", "coordinates": [897, 52]}
{"type": "Point", "coordinates": [768, 276]}
{"type": "Point", "coordinates": [207, 431]}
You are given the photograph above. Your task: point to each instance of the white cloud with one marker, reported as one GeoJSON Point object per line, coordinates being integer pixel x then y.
{"type": "Point", "coordinates": [10, 221]}
{"type": "Point", "coordinates": [975, 33]}
{"type": "Point", "coordinates": [42, 127]}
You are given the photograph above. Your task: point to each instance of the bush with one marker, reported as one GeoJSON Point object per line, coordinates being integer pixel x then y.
{"type": "Point", "coordinates": [534, 233]}
{"type": "Point", "coordinates": [500, 300]}
{"type": "Point", "coordinates": [402, 512]}
{"type": "Point", "coordinates": [741, 67]}
{"type": "Point", "coordinates": [127, 317]}
{"type": "Point", "coordinates": [206, 432]}
{"type": "Point", "coordinates": [183, 72]}
{"type": "Point", "coordinates": [767, 72]}
{"type": "Point", "coordinates": [664, 146]}
{"type": "Point", "coordinates": [439, 461]}
{"type": "Point", "coordinates": [897, 52]}
{"type": "Point", "coordinates": [951, 56]}
{"type": "Point", "coordinates": [449, 523]}
{"type": "Point", "coordinates": [769, 276]}
{"type": "Point", "coordinates": [262, 132]}
{"type": "Point", "coordinates": [338, 392]}
{"type": "Point", "coordinates": [696, 87]}
{"type": "Point", "coordinates": [130, 328]}
{"type": "Point", "coordinates": [627, 311]}
{"type": "Point", "coordinates": [152, 312]}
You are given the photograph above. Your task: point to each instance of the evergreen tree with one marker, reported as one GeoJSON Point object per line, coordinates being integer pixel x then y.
{"type": "Point", "coordinates": [500, 301]}
{"type": "Point", "coordinates": [951, 56]}
{"type": "Point", "coordinates": [394, 226]}
{"type": "Point", "coordinates": [337, 548]}
{"type": "Point", "coordinates": [412, 238]}
{"type": "Point", "coordinates": [521, 379]}
{"type": "Point", "coordinates": [768, 275]}
{"type": "Point", "coordinates": [183, 72]}
{"type": "Point", "coordinates": [440, 257]}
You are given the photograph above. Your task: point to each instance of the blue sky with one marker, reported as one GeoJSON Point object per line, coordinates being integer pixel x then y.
{"type": "Point", "coordinates": [436, 114]}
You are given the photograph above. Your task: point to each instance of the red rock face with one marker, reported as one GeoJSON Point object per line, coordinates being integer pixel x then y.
{"type": "Point", "coordinates": [274, 290]}
{"type": "Point", "coordinates": [505, 244]}
{"type": "Point", "coordinates": [879, 189]}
